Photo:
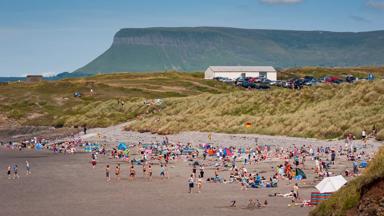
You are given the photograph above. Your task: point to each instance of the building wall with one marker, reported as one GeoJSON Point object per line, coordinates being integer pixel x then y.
{"type": "Point", "coordinates": [272, 76]}
{"type": "Point", "coordinates": [208, 74]}
{"type": "Point", "coordinates": [34, 78]}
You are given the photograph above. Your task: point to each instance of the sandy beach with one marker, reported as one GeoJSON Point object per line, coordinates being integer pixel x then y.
{"type": "Point", "coordinates": [66, 184]}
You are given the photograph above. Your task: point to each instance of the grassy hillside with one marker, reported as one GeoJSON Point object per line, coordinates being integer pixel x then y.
{"type": "Point", "coordinates": [326, 111]}
{"type": "Point", "coordinates": [49, 103]}
{"type": "Point", "coordinates": [191, 103]}
{"type": "Point", "coordinates": [347, 200]}
{"type": "Point", "coordinates": [194, 49]}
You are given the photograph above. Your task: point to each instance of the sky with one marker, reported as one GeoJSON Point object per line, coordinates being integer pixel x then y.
{"type": "Point", "coordinates": [52, 36]}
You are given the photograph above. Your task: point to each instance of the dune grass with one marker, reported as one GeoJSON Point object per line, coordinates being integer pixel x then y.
{"type": "Point", "coordinates": [360, 72]}
{"type": "Point", "coordinates": [326, 111]}
{"type": "Point", "coordinates": [192, 103]}
{"type": "Point", "coordinates": [48, 102]}
{"type": "Point", "coordinates": [349, 196]}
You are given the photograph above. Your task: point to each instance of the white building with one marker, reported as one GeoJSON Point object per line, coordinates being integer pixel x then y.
{"type": "Point", "coordinates": [234, 72]}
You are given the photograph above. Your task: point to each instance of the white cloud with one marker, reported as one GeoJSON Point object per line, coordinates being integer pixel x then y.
{"type": "Point", "coordinates": [376, 4]}
{"type": "Point", "coordinates": [281, 1]}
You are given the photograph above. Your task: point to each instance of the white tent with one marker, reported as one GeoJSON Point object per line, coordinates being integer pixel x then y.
{"type": "Point", "coordinates": [331, 184]}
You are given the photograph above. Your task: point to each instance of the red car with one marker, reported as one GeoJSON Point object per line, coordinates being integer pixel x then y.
{"type": "Point", "coordinates": [333, 79]}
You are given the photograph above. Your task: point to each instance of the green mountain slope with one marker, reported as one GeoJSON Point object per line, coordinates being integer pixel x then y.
{"type": "Point", "coordinates": [194, 49]}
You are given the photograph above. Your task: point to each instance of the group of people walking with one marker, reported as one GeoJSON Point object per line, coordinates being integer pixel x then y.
{"type": "Point", "coordinates": [14, 169]}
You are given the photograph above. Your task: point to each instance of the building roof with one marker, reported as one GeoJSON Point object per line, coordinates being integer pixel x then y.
{"type": "Point", "coordinates": [242, 68]}
{"type": "Point", "coordinates": [34, 75]}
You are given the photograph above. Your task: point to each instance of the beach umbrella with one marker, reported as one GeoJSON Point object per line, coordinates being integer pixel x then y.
{"type": "Point", "coordinates": [38, 146]}
{"type": "Point", "coordinates": [122, 146]}
{"type": "Point", "coordinates": [331, 184]}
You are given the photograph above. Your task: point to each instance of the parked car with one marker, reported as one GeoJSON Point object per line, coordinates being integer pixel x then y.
{"type": "Point", "coordinates": [247, 84]}
{"type": "Point", "coordinates": [294, 83]}
{"type": "Point", "coordinates": [333, 79]}
{"type": "Point", "coordinates": [268, 81]}
{"type": "Point", "coordinates": [224, 79]}
{"type": "Point", "coordinates": [263, 85]}
{"type": "Point", "coordinates": [310, 81]}
{"type": "Point", "coordinates": [350, 79]}
{"type": "Point", "coordinates": [239, 81]}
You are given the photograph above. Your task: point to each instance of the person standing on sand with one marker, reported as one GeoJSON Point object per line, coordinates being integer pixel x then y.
{"type": "Point", "coordinates": [9, 171]}
{"type": "Point", "coordinates": [28, 167]}
{"type": "Point", "coordinates": [201, 171]}
{"type": "Point", "coordinates": [296, 192]}
{"type": "Point", "coordinates": [150, 172]}
{"type": "Point", "coordinates": [190, 184]}
{"type": "Point", "coordinates": [107, 173]}
{"type": "Point", "coordinates": [144, 170]}
{"type": "Point", "coordinates": [15, 172]}
{"type": "Point", "coordinates": [117, 172]}
{"type": "Point", "coordinates": [132, 173]}
{"type": "Point", "coordinates": [162, 171]}
{"type": "Point", "coordinates": [199, 184]}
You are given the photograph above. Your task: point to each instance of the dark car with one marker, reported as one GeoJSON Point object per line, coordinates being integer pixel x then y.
{"type": "Point", "coordinates": [263, 85]}
{"type": "Point", "coordinates": [239, 81]}
{"type": "Point", "coordinates": [309, 81]}
{"type": "Point", "coordinates": [247, 84]}
{"type": "Point", "coordinates": [294, 83]}
{"type": "Point", "coordinates": [298, 84]}
{"type": "Point", "coordinates": [350, 79]}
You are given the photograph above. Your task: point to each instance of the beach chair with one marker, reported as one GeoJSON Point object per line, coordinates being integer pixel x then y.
{"type": "Point", "coordinates": [317, 197]}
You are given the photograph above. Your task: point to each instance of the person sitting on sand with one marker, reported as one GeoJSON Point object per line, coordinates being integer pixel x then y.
{"type": "Point", "coordinates": [274, 182]}
{"type": "Point", "coordinates": [233, 203]}
{"type": "Point", "coordinates": [251, 204]}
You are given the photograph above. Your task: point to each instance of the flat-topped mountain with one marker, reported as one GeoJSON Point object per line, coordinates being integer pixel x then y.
{"type": "Point", "coordinates": [196, 48]}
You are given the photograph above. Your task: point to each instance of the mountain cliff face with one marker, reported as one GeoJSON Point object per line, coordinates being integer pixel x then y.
{"type": "Point", "coordinates": [194, 49]}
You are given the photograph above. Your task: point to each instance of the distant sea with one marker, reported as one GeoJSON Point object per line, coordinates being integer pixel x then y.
{"type": "Point", "coordinates": [11, 79]}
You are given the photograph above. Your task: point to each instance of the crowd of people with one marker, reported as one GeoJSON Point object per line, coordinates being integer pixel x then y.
{"type": "Point", "coordinates": [229, 165]}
